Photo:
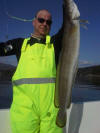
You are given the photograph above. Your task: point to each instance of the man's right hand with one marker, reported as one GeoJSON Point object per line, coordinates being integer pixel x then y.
{"type": "Point", "coordinates": [72, 9]}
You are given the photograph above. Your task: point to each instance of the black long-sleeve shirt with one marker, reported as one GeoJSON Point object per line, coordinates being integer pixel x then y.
{"type": "Point", "coordinates": [13, 47]}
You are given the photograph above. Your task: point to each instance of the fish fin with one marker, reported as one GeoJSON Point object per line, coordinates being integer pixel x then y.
{"type": "Point", "coordinates": [84, 26]}
{"type": "Point", "coordinates": [83, 23]}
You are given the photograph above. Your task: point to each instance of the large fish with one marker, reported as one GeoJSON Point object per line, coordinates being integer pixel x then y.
{"type": "Point", "coordinates": [68, 63]}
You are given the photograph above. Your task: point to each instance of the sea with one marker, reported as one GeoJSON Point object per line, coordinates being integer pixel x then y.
{"type": "Point", "coordinates": [80, 93]}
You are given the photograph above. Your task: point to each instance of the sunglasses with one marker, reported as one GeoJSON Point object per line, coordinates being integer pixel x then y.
{"type": "Point", "coordinates": [42, 20]}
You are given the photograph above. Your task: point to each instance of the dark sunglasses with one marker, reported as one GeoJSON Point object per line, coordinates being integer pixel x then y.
{"type": "Point", "coordinates": [42, 20]}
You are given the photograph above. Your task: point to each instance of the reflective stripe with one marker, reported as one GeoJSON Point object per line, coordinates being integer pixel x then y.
{"type": "Point", "coordinates": [34, 81]}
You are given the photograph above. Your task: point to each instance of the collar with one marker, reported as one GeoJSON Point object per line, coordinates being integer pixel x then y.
{"type": "Point", "coordinates": [34, 40]}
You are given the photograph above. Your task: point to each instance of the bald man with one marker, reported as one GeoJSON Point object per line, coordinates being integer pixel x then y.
{"type": "Point", "coordinates": [32, 109]}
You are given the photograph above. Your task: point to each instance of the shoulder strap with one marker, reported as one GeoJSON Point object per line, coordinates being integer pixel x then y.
{"type": "Point", "coordinates": [24, 44]}
{"type": "Point", "coordinates": [48, 38]}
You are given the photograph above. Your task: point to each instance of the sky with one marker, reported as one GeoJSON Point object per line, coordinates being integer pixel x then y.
{"type": "Point", "coordinates": [89, 39]}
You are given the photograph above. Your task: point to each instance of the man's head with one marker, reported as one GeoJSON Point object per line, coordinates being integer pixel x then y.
{"type": "Point", "coordinates": [42, 23]}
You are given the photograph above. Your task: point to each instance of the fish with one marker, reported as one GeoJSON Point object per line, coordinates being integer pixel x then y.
{"type": "Point", "coordinates": [68, 65]}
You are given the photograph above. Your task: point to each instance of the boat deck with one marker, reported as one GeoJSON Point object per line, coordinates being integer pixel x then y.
{"type": "Point", "coordinates": [82, 117]}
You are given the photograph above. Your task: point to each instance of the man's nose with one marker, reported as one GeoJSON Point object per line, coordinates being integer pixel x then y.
{"type": "Point", "coordinates": [44, 23]}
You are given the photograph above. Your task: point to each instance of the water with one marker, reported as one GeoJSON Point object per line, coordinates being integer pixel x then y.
{"type": "Point", "coordinates": [80, 93]}
{"type": "Point", "coordinates": [5, 95]}
{"type": "Point", "coordinates": [85, 93]}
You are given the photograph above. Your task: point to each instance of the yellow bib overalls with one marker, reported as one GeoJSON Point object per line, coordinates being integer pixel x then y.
{"type": "Point", "coordinates": [32, 109]}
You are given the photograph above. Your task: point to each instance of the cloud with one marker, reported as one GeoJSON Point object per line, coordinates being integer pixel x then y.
{"type": "Point", "coordinates": [84, 63]}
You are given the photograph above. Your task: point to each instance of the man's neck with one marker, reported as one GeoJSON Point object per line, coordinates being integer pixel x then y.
{"type": "Point", "coordinates": [37, 37]}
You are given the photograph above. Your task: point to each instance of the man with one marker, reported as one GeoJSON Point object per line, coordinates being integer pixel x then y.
{"type": "Point", "coordinates": [32, 109]}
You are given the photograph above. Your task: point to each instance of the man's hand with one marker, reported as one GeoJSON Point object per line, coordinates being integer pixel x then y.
{"type": "Point", "coordinates": [71, 10]}
{"type": "Point", "coordinates": [74, 12]}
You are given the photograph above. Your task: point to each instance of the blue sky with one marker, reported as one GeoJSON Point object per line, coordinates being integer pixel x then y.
{"type": "Point", "coordinates": [89, 10]}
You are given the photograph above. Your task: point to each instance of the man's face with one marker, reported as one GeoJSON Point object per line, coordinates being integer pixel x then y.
{"type": "Point", "coordinates": [42, 23]}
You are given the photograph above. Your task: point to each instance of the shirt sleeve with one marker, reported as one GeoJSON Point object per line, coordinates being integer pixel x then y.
{"type": "Point", "coordinates": [11, 47]}
{"type": "Point", "coordinates": [57, 40]}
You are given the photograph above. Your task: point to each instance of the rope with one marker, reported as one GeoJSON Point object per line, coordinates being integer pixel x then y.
{"type": "Point", "coordinates": [17, 18]}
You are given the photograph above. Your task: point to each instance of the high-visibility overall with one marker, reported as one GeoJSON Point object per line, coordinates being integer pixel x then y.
{"type": "Point", "coordinates": [32, 109]}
